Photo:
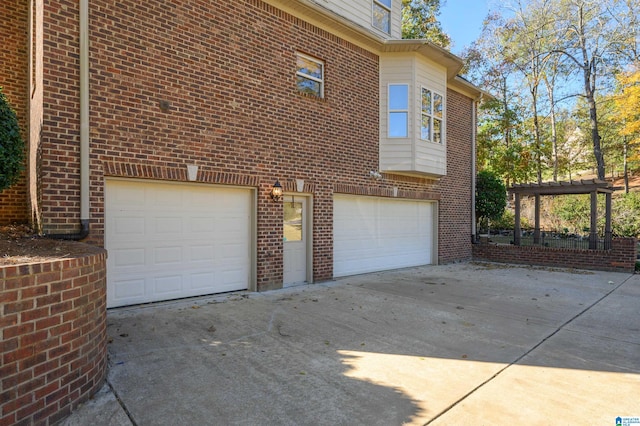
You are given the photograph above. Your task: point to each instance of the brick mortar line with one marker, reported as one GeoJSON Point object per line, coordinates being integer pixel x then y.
{"type": "Point", "coordinates": [536, 346]}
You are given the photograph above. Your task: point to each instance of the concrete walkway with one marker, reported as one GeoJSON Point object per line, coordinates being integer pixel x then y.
{"type": "Point", "coordinates": [465, 344]}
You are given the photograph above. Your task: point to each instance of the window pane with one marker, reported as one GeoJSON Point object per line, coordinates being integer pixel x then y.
{"type": "Point", "coordinates": [425, 128]}
{"type": "Point", "coordinates": [292, 221]}
{"type": "Point", "coordinates": [426, 101]}
{"type": "Point", "coordinates": [384, 2]}
{"type": "Point", "coordinates": [381, 18]}
{"type": "Point", "coordinates": [308, 86]}
{"type": "Point", "coordinates": [398, 96]}
{"type": "Point", "coordinates": [437, 130]}
{"type": "Point", "coordinates": [437, 105]}
{"type": "Point", "coordinates": [309, 67]}
{"type": "Point", "coordinates": [398, 124]}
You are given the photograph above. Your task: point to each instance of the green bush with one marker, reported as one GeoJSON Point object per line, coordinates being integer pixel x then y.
{"type": "Point", "coordinates": [626, 215]}
{"type": "Point", "coordinates": [574, 211]}
{"type": "Point", "coordinates": [491, 196]}
{"type": "Point", "coordinates": [508, 221]}
{"type": "Point", "coordinates": [12, 153]}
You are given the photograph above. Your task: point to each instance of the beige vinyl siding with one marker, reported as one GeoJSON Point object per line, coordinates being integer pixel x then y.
{"type": "Point", "coordinates": [411, 155]}
{"type": "Point", "coordinates": [430, 157]}
{"type": "Point", "coordinates": [396, 153]}
{"type": "Point", "coordinates": [359, 11]}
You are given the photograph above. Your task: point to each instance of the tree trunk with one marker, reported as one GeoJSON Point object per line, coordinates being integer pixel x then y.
{"type": "Point", "coordinates": [554, 132]}
{"type": "Point", "coordinates": [626, 165]}
{"type": "Point", "coordinates": [589, 74]}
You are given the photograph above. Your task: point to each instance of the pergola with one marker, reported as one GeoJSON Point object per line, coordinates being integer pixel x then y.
{"type": "Point", "coordinates": [592, 186]}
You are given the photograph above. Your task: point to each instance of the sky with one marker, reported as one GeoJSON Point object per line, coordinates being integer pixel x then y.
{"type": "Point", "coordinates": [462, 20]}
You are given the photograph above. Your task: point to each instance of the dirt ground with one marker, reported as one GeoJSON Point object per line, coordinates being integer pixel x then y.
{"type": "Point", "coordinates": [20, 245]}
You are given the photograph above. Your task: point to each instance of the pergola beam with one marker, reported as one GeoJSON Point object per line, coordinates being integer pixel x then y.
{"type": "Point", "coordinates": [562, 188]}
{"type": "Point", "coordinates": [591, 186]}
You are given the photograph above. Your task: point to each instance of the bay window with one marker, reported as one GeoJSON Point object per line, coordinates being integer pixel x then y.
{"type": "Point", "coordinates": [398, 110]}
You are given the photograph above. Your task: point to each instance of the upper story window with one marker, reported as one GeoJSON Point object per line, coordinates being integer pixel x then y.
{"type": "Point", "coordinates": [432, 113]}
{"type": "Point", "coordinates": [310, 75]}
{"type": "Point", "coordinates": [382, 15]}
{"type": "Point", "coordinates": [398, 110]}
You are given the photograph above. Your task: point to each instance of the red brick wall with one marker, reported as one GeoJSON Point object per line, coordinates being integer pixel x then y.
{"type": "Point", "coordinates": [53, 334]}
{"type": "Point", "coordinates": [454, 218]}
{"type": "Point", "coordinates": [227, 69]}
{"type": "Point", "coordinates": [14, 79]}
{"type": "Point", "coordinates": [621, 257]}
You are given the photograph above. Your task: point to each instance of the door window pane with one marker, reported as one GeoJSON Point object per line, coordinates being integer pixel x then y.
{"type": "Point", "coordinates": [292, 221]}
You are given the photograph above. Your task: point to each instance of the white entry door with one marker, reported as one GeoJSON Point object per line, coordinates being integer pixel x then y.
{"type": "Point", "coordinates": [295, 239]}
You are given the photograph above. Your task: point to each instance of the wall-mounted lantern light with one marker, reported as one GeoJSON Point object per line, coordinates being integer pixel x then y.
{"type": "Point", "coordinates": [276, 191]}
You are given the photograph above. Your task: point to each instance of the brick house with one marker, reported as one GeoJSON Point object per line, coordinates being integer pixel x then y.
{"type": "Point", "coordinates": [159, 130]}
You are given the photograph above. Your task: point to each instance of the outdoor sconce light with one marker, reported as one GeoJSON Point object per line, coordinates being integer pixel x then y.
{"type": "Point", "coordinates": [276, 191]}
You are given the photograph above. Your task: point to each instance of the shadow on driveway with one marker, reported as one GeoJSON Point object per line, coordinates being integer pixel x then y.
{"type": "Point", "coordinates": [454, 344]}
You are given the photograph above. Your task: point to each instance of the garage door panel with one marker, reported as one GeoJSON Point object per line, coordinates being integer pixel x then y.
{"type": "Point", "coordinates": [130, 226]}
{"type": "Point", "coordinates": [168, 256]}
{"type": "Point", "coordinates": [128, 257]}
{"type": "Point", "coordinates": [168, 225]}
{"type": "Point", "coordinates": [201, 253]}
{"type": "Point", "coordinates": [129, 289]}
{"type": "Point", "coordinates": [170, 285]}
{"type": "Point", "coordinates": [375, 234]}
{"type": "Point", "coordinates": [169, 241]}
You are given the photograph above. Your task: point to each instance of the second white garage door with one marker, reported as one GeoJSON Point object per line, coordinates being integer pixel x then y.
{"type": "Point", "coordinates": [376, 234]}
{"type": "Point", "coordinates": [168, 241]}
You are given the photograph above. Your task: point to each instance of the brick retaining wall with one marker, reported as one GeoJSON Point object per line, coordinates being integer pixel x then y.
{"type": "Point", "coordinates": [621, 257]}
{"type": "Point", "coordinates": [53, 334]}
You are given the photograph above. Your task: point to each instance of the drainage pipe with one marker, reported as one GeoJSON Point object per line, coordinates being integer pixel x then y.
{"type": "Point", "coordinates": [84, 127]}
{"type": "Point", "coordinates": [474, 112]}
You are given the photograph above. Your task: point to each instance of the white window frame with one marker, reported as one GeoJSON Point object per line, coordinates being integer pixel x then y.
{"type": "Point", "coordinates": [405, 110]}
{"type": "Point", "coordinates": [310, 77]}
{"type": "Point", "coordinates": [388, 9]}
{"type": "Point", "coordinates": [432, 116]}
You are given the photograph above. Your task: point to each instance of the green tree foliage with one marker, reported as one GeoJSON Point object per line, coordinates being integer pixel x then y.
{"type": "Point", "coordinates": [11, 145]}
{"type": "Point", "coordinates": [543, 59]}
{"type": "Point", "coordinates": [491, 196]}
{"type": "Point", "coordinates": [508, 221]}
{"type": "Point", "coordinates": [419, 21]}
{"type": "Point", "coordinates": [500, 146]}
{"type": "Point", "coordinates": [626, 215]}
{"type": "Point", "coordinates": [574, 212]}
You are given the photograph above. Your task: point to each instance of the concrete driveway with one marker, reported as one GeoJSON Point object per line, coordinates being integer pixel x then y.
{"type": "Point", "coordinates": [464, 344]}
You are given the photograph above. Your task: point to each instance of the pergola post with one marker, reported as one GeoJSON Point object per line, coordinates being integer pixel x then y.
{"type": "Point", "coordinates": [516, 228]}
{"type": "Point", "coordinates": [536, 229]}
{"type": "Point", "coordinates": [593, 234]}
{"type": "Point", "coordinates": [593, 187]}
{"type": "Point", "coordinates": [607, 226]}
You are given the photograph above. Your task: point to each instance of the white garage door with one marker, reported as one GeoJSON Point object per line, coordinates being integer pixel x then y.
{"type": "Point", "coordinates": [167, 241]}
{"type": "Point", "coordinates": [376, 234]}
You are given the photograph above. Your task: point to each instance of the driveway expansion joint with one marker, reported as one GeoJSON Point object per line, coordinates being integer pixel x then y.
{"type": "Point", "coordinates": [521, 357]}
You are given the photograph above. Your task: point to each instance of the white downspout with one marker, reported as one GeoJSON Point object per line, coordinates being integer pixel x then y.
{"type": "Point", "coordinates": [474, 109]}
